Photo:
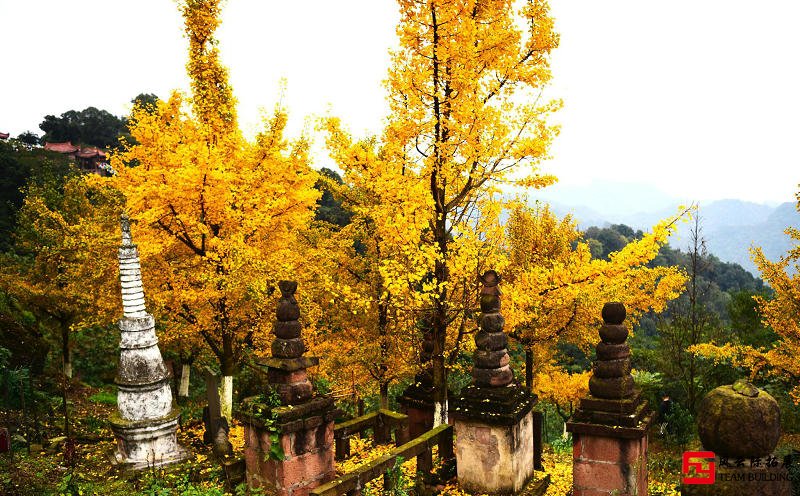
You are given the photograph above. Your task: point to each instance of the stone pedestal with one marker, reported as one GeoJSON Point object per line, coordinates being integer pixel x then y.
{"type": "Point", "coordinates": [605, 463]}
{"type": "Point", "coordinates": [146, 420]}
{"type": "Point", "coordinates": [493, 416]}
{"type": "Point", "coordinates": [609, 429]}
{"type": "Point", "coordinates": [302, 424]}
{"type": "Point", "coordinates": [494, 439]}
{"type": "Point", "coordinates": [305, 434]}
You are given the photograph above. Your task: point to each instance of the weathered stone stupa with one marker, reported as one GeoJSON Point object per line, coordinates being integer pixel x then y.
{"type": "Point", "coordinates": [609, 429]}
{"type": "Point", "coordinates": [493, 416]}
{"type": "Point", "coordinates": [303, 422]}
{"type": "Point", "coordinates": [146, 421]}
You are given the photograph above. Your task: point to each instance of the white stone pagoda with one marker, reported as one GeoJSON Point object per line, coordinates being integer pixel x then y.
{"type": "Point", "coordinates": [147, 419]}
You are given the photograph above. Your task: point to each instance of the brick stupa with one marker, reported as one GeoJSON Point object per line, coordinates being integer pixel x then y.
{"type": "Point", "coordinates": [303, 421]}
{"type": "Point", "coordinates": [610, 426]}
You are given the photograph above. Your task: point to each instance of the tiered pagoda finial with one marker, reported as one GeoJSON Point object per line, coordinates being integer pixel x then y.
{"type": "Point", "coordinates": [613, 400]}
{"type": "Point", "coordinates": [287, 367]}
{"type": "Point", "coordinates": [491, 366]}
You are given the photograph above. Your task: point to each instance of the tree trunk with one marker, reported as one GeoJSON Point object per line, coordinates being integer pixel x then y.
{"type": "Point", "coordinates": [183, 390]}
{"type": "Point", "coordinates": [66, 353]}
{"type": "Point", "coordinates": [384, 387]}
{"type": "Point", "coordinates": [529, 368]}
{"type": "Point", "coordinates": [228, 369]}
{"type": "Point", "coordinates": [226, 398]}
{"type": "Point", "coordinates": [440, 321]}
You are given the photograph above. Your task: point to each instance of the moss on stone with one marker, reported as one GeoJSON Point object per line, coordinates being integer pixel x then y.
{"type": "Point", "coordinates": [733, 423]}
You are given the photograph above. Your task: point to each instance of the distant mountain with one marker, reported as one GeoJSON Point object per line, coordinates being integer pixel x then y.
{"type": "Point", "coordinates": [731, 242]}
{"type": "Point", "coordinates": [729, 226]}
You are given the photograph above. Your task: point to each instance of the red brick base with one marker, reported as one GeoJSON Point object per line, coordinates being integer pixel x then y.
{"type": "Point", "coordinates": [308, 460]}
{"type": "Point", "coordinates": [604, 465]}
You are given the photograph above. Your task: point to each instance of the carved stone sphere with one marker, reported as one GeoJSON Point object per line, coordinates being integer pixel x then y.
{"type": "Point", "coordinates": [739, 420]}
{"type": "Point", "coordinates": [613, 313]}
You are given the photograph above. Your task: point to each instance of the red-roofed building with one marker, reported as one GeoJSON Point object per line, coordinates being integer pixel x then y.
{"type": "Point", "coordinates": [90, 159]}
{"type": "Point", "coordinates": [4, 135]}
{"type": "Point", "coordinates": [65, 147]}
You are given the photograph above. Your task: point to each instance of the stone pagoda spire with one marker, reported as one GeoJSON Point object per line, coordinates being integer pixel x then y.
{"type": "Point", "coordinates": [146, 422]}
{"type": "Point", "coordinates": [613, 400]}
{"type": "Point", "coordinates": [491, 357]}
{"type": "Point", "coordinates": [287, 369]}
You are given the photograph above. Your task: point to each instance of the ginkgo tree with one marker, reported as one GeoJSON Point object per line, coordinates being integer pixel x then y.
{"type": "Point", "coordinates": [781, 312]}
{"type": "Point", "coordinates": [555, 289]}
{"type": "Point", "coordinates": [466, 115]}
{"type": "Point", "coordinates": [374, 263]}
{"type": "Point", "coordinates": [554, 292]}
{"type": "Point", "coordinates": [64, 266]}
{"type": "Point", "coordinates": [216, 215]}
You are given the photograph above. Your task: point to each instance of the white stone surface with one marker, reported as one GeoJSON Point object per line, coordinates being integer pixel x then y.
{"type": "Point", "coordinates": [145, 428]}
{"type": "Point", "coordinates": [144, 405]}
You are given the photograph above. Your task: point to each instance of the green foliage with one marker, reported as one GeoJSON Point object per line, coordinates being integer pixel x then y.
{"type": "Point", "coordinates": [606, 240]}
{"type": "Point", "coordinates": [95, 352]}
{"type": "Point", "coordinates": [29, 138]}
{"type": "Point", "coordinates": [21, 166]}
{"type": "Point", "coordinates": [71, 484]}
{"type": "Point", "coordinates": [552, 423]}
{"type": "Point", "coordinates": [263, 409]}
{"type": "Point", "coordinates": [680, 426]}
{"type": "Point", "coordinates": [148, 101]}
{"type": "Point", "coordinates": [651, 383]}
{"type": "Point", "coordinates": [243, 490]}
{"type": "Point", "coordinates": [321, 385]}
{"type": "Point", "coordinates": [329, 208]}
{"type": "Point", "coordinates": [562, 444]}
{"type": "Point", "coordinates": [747, 321]}
{"type": "Point", "coordinates": [104, 397]}
{"type": "Point", "coordinates": [161, 482]}
{"type": "Point", "coordinates": [90, 126]}
{"type": "Point", "coordinates": [400, 484]}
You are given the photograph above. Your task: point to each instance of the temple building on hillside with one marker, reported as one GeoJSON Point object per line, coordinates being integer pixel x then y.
{"type": "Point", "coordinates": [89, 159]}
{"type": "Point", "coordinates": [4, 135]}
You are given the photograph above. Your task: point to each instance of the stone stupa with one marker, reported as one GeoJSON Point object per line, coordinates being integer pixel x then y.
{"type": "Point", "coordinates": [146, 420]}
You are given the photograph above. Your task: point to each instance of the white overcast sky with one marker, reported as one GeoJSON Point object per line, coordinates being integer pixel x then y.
{"type": "Point", "coordinates": [700, 98]}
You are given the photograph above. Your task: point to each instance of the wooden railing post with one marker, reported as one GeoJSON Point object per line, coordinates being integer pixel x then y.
{"type": "Point", "coordinates": [447, 455]}
{"type": "Point", "coordinates": [425, 465]}
{"type": "Point", "coordinates": [537, 441]}
{"type": "Point", "coordinates": [381, 430]}
{"type": "Point", "coordinates": [389, 480]}
{"type": "Point", "coordinates": [401, 434]}
{"type": "Point", "coordinates": [342, 447]}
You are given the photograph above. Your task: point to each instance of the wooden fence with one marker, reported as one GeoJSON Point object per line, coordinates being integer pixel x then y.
{"type": "Point", "coordinates": [382, 423]}
{"type": "Point", "coordinates": [352, 484]}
